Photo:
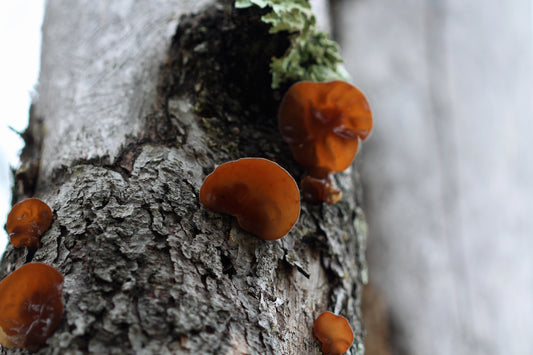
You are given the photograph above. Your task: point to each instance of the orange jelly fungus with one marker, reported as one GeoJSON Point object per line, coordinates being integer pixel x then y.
{"type": "Point", "coordinates": [27, 221]}
{"type": "Point", "coordinates": [258, 192]}
{"type": "Point", "coordinates": [317, 190]}
{"type": "Point", "coordinates": [334, 333]}
{"type": "Point", "coordinates": [30, 306]}
{"type": "Point", "coordinates": [324, 122]}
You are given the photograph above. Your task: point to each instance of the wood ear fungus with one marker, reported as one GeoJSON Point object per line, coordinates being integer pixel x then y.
{"type": "Point", "coordinates": [320, 190]}
{"type": "Point", "coordinates": [31, 306]}
{"type": "Point", "coordinates": [27, 221]}
{"type": "Point", "coordinates": [258, 192]}
{"type": "Point", "coordinates": [323, 123]}
{"type": "Point", "coordinates": [334, 333]}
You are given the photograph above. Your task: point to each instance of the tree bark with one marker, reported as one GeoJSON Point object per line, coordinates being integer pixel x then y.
{"type": "Point", "coordinates": [138, 102]}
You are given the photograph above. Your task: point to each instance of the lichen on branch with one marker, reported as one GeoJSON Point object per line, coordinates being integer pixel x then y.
{"type": "Point", "coordinates": [311, 54]}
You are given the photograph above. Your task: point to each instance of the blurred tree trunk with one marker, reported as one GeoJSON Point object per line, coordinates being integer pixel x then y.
{"type": "Point", "coordinates": [138, 102]}
{"type": "Point", "coordinates": [448, 170]}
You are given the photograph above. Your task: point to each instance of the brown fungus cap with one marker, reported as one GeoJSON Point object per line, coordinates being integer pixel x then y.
{"type": "Point", "coordinates": [320, 190]}
{"type": "Point", "coordinates": [334, 333]}
{"type": "Point", "coordinates": [323, 123]}
{"type": "Point", "coordinates": [258, 192]}
{"type": "Point", "coordinates": [30, 306]}
{"type": "Point", "coordinates": [27, 221]}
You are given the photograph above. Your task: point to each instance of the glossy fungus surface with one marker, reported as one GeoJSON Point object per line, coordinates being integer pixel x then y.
{"type": "Point", "coordinates": [30, 305]}
{"type": "Point", "coordinates": [27, 221]}
{"type": "Point", "coordinates": [323, 123]}
{"type": "Point", "coordinates": [334, 333]}
{"type": "Point", "coordinates": [258, 192]}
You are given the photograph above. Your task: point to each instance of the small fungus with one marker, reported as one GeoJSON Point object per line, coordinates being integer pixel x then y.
{"type": "Point", "coordinates": [323, 123]}
{"type": "Point", "coordinates": [334, 333]}
{"type": "Point", "coordinates": [30, 306]}
{"type": "Point", "coordinates": [27, 221]}
{"type": "Point", "coordinates": [317, 190]}
{"type": "Point", "coordinates": [258, 192]}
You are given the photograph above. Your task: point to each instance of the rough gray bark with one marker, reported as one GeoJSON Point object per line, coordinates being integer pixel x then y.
{"type": "Point", "coordinates": [130, 128]}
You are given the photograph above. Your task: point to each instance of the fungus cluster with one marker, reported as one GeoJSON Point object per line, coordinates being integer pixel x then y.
{"type": "Point", "coordinates": [323, 123]}
{"type": "Point", "coordinates": [258, 192]}
{"type": "Point", "coordinates": [27, 221]}
{"type": "Point", "coordinates": [334, 333]}
{"type": "Point", "coordinates": [31, 306]}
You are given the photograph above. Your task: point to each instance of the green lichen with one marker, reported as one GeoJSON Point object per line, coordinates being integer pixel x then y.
{"type": "Point", "coordinates": [311, 54]}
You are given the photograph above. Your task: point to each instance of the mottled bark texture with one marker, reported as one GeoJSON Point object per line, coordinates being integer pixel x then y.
{"type": "Point", "coordinates": [147, 268]}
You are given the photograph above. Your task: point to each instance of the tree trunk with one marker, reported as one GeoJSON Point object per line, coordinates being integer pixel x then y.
{"type": "Point", "coordinates": [138, 102]}
{"type": "Point", "coordinates": [448, 170]}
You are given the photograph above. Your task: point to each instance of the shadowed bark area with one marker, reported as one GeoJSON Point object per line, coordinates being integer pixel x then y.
{"type": "Point", "coordinates": [147, 268]}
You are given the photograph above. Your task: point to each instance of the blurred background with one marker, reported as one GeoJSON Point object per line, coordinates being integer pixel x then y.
{"type": "Point", "coordinates": [20, 42]}
{"type": "Point", "coordinates": [448, 170]}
